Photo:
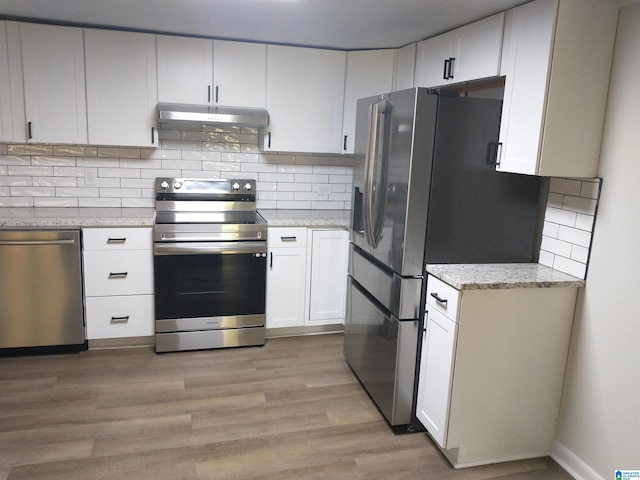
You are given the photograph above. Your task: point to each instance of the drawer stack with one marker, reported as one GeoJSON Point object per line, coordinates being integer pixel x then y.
{"type": "Point", "coordinates": [118, 282]}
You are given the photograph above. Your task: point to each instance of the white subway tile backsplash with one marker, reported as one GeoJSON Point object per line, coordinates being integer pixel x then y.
{"type": "Point", "coordinates": [33, 191]}
{"type": "Point", "coordinates": [5, 192]}
{"type": "Point", "coordinates": [15, 181]}
{"type": "Point", "coordinates": [54, 202]}
{"type": "Point", "coordinates": [574, 236]}
{"type": "Point", "coordinates": [55, 181]}
{"type": "Point", "coordinates": [54, 161]}
{"type": "Point", "coordinates": [29, 149]}
{"type": "Point", "coordinates": [77, 192]}
{"type": "Point", "coordinates": [99, 203]}
{"type": "Point", "coordinates": [118, 152]}
{"type": "Point", "coordinates": [568, 226]}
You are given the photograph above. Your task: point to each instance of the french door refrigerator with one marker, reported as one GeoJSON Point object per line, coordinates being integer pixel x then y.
{"type": "Point", "coordinates": [425, 191]}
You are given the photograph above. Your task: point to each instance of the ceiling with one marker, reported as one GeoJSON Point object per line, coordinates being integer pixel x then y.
{"type": "Point", "coordinates": [339, 24]}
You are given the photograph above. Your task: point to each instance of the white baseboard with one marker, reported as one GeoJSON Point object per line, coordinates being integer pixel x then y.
{"type": "Point", "coordinates": [573, 464]}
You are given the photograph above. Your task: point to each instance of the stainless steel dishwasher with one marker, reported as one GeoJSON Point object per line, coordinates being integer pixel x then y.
{"type": "Point", "coordinates": [41, 306]}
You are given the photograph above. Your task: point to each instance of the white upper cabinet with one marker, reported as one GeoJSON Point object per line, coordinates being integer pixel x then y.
{"type": "Point", "coordinates": [211, 72]}
{"type": "Point", "coordinates": [184, 70]}
{"type": "Point", "coordinates": [404, 67]}
{"type": "Point", "coordinates": [122, 91]}
{"type": "Point", "coordinates": [557, 61]}
{"type": "Point", "coordinates": [239, 74]}
{"type": "Point", "coordinates": [369, 72]}
{"type": "Point", "coordinates": [467, 53]}
{"type": "Point", "coordinates": [54, 84]}
{"type": "Point", "coordinates": [305, 93]}
{"type": "Point", "coordinates": [6, 109]}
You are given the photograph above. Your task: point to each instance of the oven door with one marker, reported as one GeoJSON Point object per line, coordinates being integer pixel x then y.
{"type": "Point", "coordinates": [209, 285]}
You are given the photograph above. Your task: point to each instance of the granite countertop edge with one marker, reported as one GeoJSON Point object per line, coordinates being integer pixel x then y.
{"type": "Point", "coordinates": [502, 276]}
{"type": "Point", "coordinates": [88, 217]}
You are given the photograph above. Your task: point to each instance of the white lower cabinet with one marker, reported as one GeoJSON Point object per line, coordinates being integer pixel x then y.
{"type": "Point", "coordinates": [327, 266]}
{"type": "Point", "coordinates": [306, 276]}
{"type": "Point", "coordinates": [286, 277]}
{"type": "Point", "coordinates": [118, 282]}
{"type": "Point", "coordinates": [491, 370]}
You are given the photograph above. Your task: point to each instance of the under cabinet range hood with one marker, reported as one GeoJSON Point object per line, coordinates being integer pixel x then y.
{"type": "Point", "coordinates": [212, 115]}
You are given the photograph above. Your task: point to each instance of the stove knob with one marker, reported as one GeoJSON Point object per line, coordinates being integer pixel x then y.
{"type": "Point", "coordinates": [247, 186]}
{"type": "Point", "coordinates": [235, 186]}
{"type": "Point", "coordinates": [177, 185]}
{"type": "Point", "coordinates": [164, 184]}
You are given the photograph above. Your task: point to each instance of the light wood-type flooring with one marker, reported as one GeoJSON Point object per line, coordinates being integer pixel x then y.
{"type": "Point", "coordinates": [289, 410]}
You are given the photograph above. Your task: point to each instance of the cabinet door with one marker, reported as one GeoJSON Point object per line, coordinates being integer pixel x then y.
{"type": "Point", "coordinates": [478, 48]}
{"type": "Point", "coordinates": [239, 73]}
{"type": "Point", "coordinates": [431, 54]}
{"type": "Point", "coordinates": [286, 284]}
{"type": "Point", "coordinates": [436, 375]}
{"type": "Point", "coordinates": [404, 67]}
{"type": "Point", "coordinates": [6, 128]}
{"type": "Point", "coordinates": [527, 67]}
{"type": "Point", "coordinates": [369, 72]}
{"type": "Point", "coordinates": [305, 93]}
{"type": "Point", "coordinates": [121, 87]}
{"type": "Point", "coordinates": [54, 83]}
{"type": "Point", "coordinates": [327, 276]}
{"type": "Point", "coordinates": [184, 70]}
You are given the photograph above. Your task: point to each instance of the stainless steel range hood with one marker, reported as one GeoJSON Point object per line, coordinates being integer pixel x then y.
{"type": "Point", "coordinates": [212, 115]}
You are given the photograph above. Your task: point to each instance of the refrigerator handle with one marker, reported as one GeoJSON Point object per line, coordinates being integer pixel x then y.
{"type": "Point", "coordinates": [369, 164]}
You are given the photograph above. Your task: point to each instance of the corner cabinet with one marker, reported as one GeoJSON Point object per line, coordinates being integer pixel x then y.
{"type": "Point", "coordinates": [369, 72]}
{"type": "Point", "coordinates": [491, 370]}
{"type": "Point", "coordinates": [122, 88]}
{"type": "Point", "coordinates": [557, 60]}
{"type": "Point", "coordinates": [305, 96]}
{"type": "Point", "coordinates": [118, 282]}
{"type": "Point", "coordinates": [306, 276]}
{"type": "Point", "coordinates": [467, 53]}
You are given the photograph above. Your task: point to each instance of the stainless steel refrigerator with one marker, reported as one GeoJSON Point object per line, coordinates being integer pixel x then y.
{"type": "Point", "coordinates": [425, 191]}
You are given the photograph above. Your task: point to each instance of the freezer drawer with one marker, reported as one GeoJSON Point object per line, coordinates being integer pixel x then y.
{"type": "Point", "coordinates": [381, 350]}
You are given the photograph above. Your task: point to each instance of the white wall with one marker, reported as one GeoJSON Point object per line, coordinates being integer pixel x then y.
{"type": "Point", "coordinates": [599, 425]}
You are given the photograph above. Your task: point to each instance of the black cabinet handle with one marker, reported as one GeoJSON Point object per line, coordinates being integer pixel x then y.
{"type": "Point", "coordinates": [209, 93]}
{"type": "Point", "coordinates": [116, 240]}
{"type": "Point", "coordinates": [438, 298]}
{"type": "Point", "coordinates": [344, 146]}
{"type": "Point", "coordinates": [120, 319]}
{"type": "Point", "coordinates": [446, 70]}
{"type": "Point", "coordinates": [153, 136]}
{"type": "Point", "coordinates": [288, 239]}
{"type": "Point", "coordinates": [29, 130]}
{"type": "Point", "coordinates": [216, 93]}
{"type": "Point", "coordinates": [493, 157]}
{"type": "Point", "coordinates": [450, 74]}
{"type": "Point", "coordinates": [269, 140]}
{"type": "Point", "coordinates": [270, 259]}
{"type": "Point", "coordinates": [118, 275]}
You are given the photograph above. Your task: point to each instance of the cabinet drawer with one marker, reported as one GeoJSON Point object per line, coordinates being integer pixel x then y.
{"type": "Point", "coordinates": [117, 239]}
{"type": "Point", "coordinates": [287, 237]}
{"type": "Point", "coordinates": [129, 272]}
{"type": "Point", "coordinates": [117, 317]}
{"type": "Point", "coordinates": [443, 298]}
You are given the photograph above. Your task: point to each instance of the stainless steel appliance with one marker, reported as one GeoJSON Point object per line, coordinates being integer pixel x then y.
{"type": "Point", "coordinates": [210, 264]}
{"type": "Point", "coordinates": [425, 191]}
{"type": "Point", "coordinates": [41, 307]}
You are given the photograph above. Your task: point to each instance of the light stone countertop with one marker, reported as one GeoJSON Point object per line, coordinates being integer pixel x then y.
{"type": "Point", "coordinates": [69, 217]}
{"type": "Point", "coordinates": [502, 276]}
{"type": "Point", "coordinates": [307, 218]}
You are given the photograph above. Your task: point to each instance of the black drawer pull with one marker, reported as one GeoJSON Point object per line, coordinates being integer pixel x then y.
{"type": "Point", "coordinates": [289, 239]}
{"type": "Point", "coordinates": [438, 298]}
{"type": "Point", "coordinates": [116, 240]}
{"type": "Point", "coordinates": [118, 275]}
{"type": "Point", "coordinates": [120, 319]}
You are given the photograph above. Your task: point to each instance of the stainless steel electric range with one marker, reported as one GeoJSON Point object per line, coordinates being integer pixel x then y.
{"type": "Point", "coordinates": [210, 264]}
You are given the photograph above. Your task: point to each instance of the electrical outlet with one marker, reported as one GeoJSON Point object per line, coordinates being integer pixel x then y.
{"type": "Point", "coordinates": [90, 176]}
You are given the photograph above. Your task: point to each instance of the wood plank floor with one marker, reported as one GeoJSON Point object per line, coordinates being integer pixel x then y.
{"type": "Point", "coordinates": [289, 410]}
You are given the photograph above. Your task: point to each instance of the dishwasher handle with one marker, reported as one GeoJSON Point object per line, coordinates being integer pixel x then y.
{"type": "Point", "coordinates": [69, 241]}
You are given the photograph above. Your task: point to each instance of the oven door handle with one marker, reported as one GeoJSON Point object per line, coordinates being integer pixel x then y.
{"type": "Point", "coordinates": [209, 248]}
